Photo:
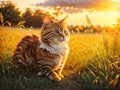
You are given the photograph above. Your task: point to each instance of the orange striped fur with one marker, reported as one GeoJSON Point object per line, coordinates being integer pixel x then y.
{"type": "Point", "coordinates": [49, 52]}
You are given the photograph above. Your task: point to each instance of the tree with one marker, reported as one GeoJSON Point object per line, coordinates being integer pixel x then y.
{"type": "Point", "coordinates": [10, 13]}
{"type": "Point", "coordinates": [34, 19]}
{"type": "Point", "coordinates": [28, 18]}
{"type": "Point", "coordinates": [38, 18]}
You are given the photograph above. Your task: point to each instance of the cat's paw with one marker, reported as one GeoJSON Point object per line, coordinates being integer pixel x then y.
{"type": "Point", "coordinates": [61, 76]}
{"type": "Point", "coordinates": [54, 77]}
{"type": "Point", "coordinates": [40, 73]}
{"type": "Point", "coordinates": [59, 72]}
{"type": "Point", "coordinates": [57, 78]}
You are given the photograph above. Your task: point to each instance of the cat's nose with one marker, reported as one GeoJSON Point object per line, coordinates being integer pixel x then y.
{"type": "Point", "coordinates": [63, 39]}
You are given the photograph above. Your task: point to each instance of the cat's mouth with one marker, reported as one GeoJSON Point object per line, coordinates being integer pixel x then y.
{"type": "Point", "coordinates": [63, 39]}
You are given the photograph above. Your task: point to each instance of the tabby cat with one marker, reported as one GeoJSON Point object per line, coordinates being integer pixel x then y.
{"type": "Point", "coordinates": [49, 52]}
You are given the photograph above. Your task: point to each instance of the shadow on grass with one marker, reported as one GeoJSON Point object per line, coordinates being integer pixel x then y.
{"type": "Point", "coordinates": [10, 79]}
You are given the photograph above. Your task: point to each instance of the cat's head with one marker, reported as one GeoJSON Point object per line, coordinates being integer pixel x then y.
{"type": "Point", "coordinates": [54, 32]}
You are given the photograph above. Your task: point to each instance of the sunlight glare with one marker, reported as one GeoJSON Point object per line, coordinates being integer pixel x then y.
{"type": "Point", "coordinates": [116, 1]}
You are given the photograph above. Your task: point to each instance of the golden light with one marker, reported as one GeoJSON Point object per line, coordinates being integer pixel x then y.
{"type": "Point", "coordinates": [116, 0]}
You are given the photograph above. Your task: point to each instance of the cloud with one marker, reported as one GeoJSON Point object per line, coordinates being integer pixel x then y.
{"type": "Point", "coordinates": [76, 5]}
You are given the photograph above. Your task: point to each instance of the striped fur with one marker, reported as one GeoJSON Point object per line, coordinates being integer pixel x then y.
{"type": "Point", "coordinates": [49, 52]}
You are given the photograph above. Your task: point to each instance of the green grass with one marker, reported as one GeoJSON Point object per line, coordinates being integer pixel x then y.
{"type": "Point", "coordinates": [93, 63]}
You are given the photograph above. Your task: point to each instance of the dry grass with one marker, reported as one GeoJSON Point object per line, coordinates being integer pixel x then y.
{"type": "Point", "coordinates": [93, 63]}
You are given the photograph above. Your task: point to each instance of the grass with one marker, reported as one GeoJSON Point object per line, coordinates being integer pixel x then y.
{"type": "Point", "coordinates": [93, 63]}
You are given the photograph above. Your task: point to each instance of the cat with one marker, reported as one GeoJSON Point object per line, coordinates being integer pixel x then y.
{"type": "Point", "coordinates": [49, 51]}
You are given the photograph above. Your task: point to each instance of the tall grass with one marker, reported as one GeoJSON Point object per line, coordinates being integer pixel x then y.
{"type": "Point", "coordinates": [103, 70]}
{"type": "Point", "coordinates": [93, 62]}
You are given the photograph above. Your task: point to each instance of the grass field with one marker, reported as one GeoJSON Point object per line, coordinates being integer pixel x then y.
{"type": "Point", "coordinates": [93, 63]}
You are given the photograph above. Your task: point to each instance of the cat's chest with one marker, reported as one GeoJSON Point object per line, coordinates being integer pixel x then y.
{"type": "Point", "coordinates": [55, 49]}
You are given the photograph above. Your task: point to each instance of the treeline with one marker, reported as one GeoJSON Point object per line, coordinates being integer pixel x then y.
{"type": "Point", "coordinates": [93, 28]}
{"type": "Point", "coordinates": [12, 16]}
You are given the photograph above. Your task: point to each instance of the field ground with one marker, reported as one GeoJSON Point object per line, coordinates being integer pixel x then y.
{"type": "Point", "coordinates": [93, 63]}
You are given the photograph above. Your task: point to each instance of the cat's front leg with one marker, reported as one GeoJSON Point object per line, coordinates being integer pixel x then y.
{"type": "Point", "coordinates": [50, 73]}
{"type": "Point", "coordinates": [60, 69]}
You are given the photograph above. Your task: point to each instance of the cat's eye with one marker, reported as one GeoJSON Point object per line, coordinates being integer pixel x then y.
{"type": "Point", "coordinates": [57, 31]}
{"type": "Point", "coordinates": [65, 32]}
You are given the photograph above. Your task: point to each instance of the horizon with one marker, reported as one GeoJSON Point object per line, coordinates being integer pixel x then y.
{"type": "Point", "coordinates": [103, 15]}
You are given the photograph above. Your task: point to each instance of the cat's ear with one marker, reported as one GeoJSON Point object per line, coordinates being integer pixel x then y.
{"type": "Point", "coordinates": [64, 19]}
{"type": "Point", "coordinates": [46, 21]}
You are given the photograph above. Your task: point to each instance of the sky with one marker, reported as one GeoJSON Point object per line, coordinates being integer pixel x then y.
{"type": "Point", "coordinates": [100, 12]}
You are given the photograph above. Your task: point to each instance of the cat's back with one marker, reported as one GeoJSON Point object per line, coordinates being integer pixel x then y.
{"type": "Point", "coordinates": [28, 41]}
